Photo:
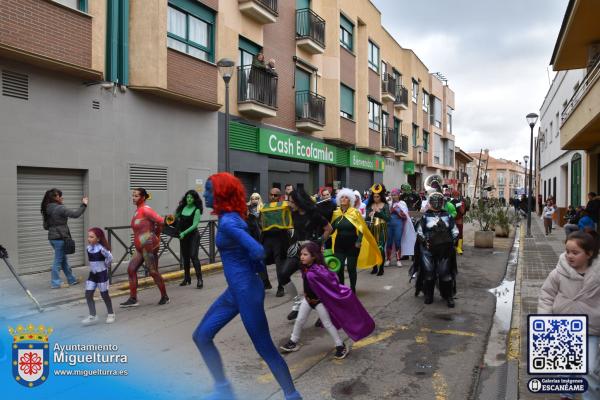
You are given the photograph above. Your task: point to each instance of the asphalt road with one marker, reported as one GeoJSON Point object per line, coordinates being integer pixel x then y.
{"type": "Point", "coordinates": [416, 351]}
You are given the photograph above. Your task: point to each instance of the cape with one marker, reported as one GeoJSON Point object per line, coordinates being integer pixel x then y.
{"type": "Point", "coordinates": [344, 308]}
{"type": "Point", "coordinates": [409, 236]}
{"type": "Point", "coordinates": [416, 269]}
{"type": "Point", "coordinates": [369, 254]}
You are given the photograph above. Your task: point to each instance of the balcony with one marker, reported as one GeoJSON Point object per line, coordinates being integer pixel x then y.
{"type": "Point", "coordinates": [389, 140]}
{"type": "Point", "coordinates": [257, 92]}
{"type": "Point", "coordinates": [581, 117]}
{"type": "Point", "coordinates": [388, 88]}
{"type": "Point", "coordinates": [401, 100]}
{"type": "Point", "coordinates": [402, 148]}
{"type": "Point", "coordinates": [310, 111]}
{"type": "Point", "coordinates": [310, 31]}
{"type": "Point", "coordinates": [262, 11]}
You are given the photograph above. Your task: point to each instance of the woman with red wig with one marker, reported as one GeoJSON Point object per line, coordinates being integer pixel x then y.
{"type": "Point", "coordinates": [242, 258]}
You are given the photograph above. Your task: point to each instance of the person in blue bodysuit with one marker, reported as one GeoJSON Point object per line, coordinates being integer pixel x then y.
{"type": "Point", "coordinates": [242, 258]}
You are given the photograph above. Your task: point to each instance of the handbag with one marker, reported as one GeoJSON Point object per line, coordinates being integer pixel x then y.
{"type": "Point", "coordinates": [69, 247]}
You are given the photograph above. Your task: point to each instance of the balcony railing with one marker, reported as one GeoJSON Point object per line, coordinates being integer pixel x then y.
{"type": "Point", "coordinates": [401, 96]}
{"type": "Point", "coordinates": [589, 81]}
{"type": "Point", "coordinates": [310, 107]}
{"type": "Point", "coordinates": [389, 138]}
{"type": "Point", "coordinates": [403, 144]}
{"type": "Point", "coordinates": [271, 5]}
{"type": "Point", "coordinates": [257, 85]}
{"type": "Point", "coordinates": [388, 85]}
{"type": "Point", "coordinates": [310, 26]}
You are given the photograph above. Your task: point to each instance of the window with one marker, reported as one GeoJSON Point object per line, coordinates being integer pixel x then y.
{"type": "Point", "coordinates": [425, 141]}
{"type": "Point", "coordinates": [384, 121]}
{"type": "Point", "coordinates": [415, 90]}
{"type": "Point", "coordinates": [374, 115]}
{"type": "Point", "coordinates": [346, 102]}
{"type": "Point", "coordinates": [436, 112]}
{"type": "Point", "coordinates": [438, 149]}
{"type": "Point", "coordinates": [415, 134]}
{"type": "Point", "coordinates": [190, 29]}
{"type": "Point", "coordinates": [449, 115]}
{"type": "Point", "coordinates": [117, 42]}
{"type": "Point", "coordinates": [551, 131]}
{"type": "Point", "coordinates": [397, 77]}
{"type": "Point", "coordinates": [248, 50]}
{"type": "Point", "coordinates": [80, 5]}
{"type": "Point", "coordinates": [373, 56]}
{"type": "Point", "coordinates": [425, 101]}
{"type": "Point", "coordinates": [346, 32]}
{"type": "Point", "coordinates": [557, 125]}
{"type": "Point", "coordinates": [383, 70]}
{"type": "Point", "coordinates": [501, 193]}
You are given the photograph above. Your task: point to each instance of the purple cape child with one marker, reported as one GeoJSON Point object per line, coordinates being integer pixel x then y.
{"type": "Point", "coordinates": [344, 308]}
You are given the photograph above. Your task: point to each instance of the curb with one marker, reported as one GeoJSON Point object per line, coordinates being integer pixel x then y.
{"type": "Point", "coordinates": [123, 288]}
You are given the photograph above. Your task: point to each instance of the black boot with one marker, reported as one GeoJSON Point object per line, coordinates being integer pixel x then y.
{"type": "Point", "coordinates": [374, 270]}
{"type": "Point", "coordinates": [199, 283]}
{"type": "Point", "coordinates": [446, 290]}
{"type": "Point", "coordinates": [186, 281]}
{"type": "Point", "coordinates": [380, 272]}
{"type": "Point", "coordinates": [428, 288]}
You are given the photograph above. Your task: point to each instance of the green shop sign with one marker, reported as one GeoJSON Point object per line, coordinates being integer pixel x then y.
{"type": "Point", "coordinates": [283, 145]}
{"type": "Point", "coordinates": [409, 167]}
{"type": "Point", "coordinates": [366, 161]}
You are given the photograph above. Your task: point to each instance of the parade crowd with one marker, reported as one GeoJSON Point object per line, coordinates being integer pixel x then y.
{"type": "Point", "coordinates": [326, 237]}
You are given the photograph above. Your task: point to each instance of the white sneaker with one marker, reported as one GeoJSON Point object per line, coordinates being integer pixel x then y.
{"type": "Point", "coordinates": [398, 263]}
{"type": "Point", "coordinates": [110, 318]}
{"type": "Point", "coordinates": [387, 263]}
{"type": "Point", "coordinates": [89, 320]}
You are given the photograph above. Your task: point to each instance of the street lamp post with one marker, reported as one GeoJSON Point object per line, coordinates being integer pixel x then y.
{"type": "Point", "coordinates": [531, 120]}
{"type": "Point", "coordinates": [419, 148]}
{"type": "Point", "coordinates": [226, 67]}
{"type": "Point", "coordinates": [526, 159]}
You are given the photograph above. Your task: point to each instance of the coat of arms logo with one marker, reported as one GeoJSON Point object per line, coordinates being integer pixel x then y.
{"type": "Point", "coordinates": [30, 354]}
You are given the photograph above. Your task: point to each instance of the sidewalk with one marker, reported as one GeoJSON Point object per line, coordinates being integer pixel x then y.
{"type": "Point", "coordinates": [14, 302]}
{"type": "Point", "coordinates": [538, 256]}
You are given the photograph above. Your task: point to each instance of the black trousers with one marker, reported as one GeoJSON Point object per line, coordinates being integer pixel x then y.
{"type": "Point", "coordinates": [189, 252]}
{"type": "Point", "coordinates": [274, 250]}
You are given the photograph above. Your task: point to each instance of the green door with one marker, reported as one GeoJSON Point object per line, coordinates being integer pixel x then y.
{"type": "Point", "coordinates": [576, 180]}
{"type": "Point", "coordinates": [302, 81]}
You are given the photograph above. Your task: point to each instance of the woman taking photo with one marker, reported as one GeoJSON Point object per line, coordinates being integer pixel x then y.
{"type": "Point", "coordinates": [55, 216]}
{"type": "Point", "coordinates": [146, 225]}
{"type": "Point", "coordinates": [378, 216]}
{"type": "Point", "coordinates": [188, 215]}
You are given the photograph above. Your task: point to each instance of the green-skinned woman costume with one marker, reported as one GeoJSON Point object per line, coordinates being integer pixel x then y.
{"type": "Point", "coordinates": [378, 215]}
{"type": "Point", "coordinates": [188, 215]}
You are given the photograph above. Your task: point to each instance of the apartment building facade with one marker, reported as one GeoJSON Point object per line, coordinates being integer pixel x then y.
{"type": "Point", "coordinates": [338, 110]}
{"type": "Point", "coordinates": [461, 174]}
{"type": "Point", "coordinates": [561, 171]}
{"type": "Point", "coordinates": [94, 102]}
{"type": "Point", "coordinates": [577, 47]}
{"type": "Point", "coordinates": [505, 179]}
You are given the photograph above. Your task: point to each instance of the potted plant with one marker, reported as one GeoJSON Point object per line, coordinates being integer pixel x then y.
{"type": "Point", "coordinates": [484, 212]}
{"type": "Point", "coordinates": [505, 217]}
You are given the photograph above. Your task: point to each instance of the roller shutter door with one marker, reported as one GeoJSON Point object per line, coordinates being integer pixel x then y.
{"type": "Point", "coordinates": [361, 180]}
{"type": "Point", "coordinates": [35, 252]}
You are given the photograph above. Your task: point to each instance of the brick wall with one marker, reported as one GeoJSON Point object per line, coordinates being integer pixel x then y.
{"type": "Point", "coordinates": [374, 85]}
{"type": "Point", "coordinates": [347, 68]}
{"type": "Point", "coordinates": [374, 140]}
{"type": "Point", "coordinates": [280, 44]}
{"type": "Point", "coordinates": [44, 28]}
{"type": "Point", "coordinates": [191, 77]}
{"type": "Point", "coordinates": [347, 130]}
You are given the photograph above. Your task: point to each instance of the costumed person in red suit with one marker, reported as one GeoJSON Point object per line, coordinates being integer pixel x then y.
{"type": "Point", "coordinates": [337, 306]}
{"type": "Point", "coordinates": [146, 225]}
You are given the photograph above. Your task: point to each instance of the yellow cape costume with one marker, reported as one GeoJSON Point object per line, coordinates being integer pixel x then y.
{"type": "Point", "coordinates": [369, 251]}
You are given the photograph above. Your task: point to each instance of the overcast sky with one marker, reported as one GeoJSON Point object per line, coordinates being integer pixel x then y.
{"type": "Point", "coordinates": [495, 54]}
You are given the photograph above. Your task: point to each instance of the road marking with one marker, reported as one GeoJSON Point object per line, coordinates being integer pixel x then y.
{"type": "Point", "coordinates": [377, 338]}
{"type": "Point", "coordinates": [305, 363]}
{"type": "Point", "coordinates": [449, 332]}
{"type": "Point", "coordinates": [440, 387]}
{"type": "Point", "coordinates": [421, 339]}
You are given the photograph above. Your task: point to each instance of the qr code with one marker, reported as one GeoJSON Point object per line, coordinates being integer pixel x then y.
{"type": "Point", "coordinates": [557, 344]}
